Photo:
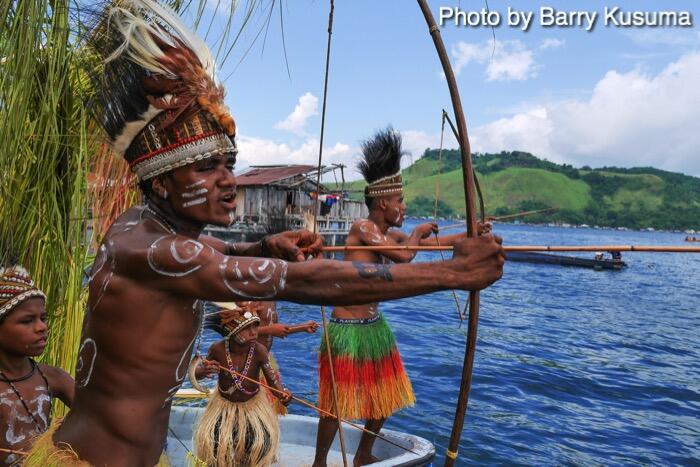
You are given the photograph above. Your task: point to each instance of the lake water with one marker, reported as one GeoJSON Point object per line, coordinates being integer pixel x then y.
{"type": "Point", "coordinates": [573, 366]}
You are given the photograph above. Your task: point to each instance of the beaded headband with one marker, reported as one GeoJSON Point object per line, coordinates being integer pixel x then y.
{"type": "Point", "coordinates": [385, 186]}
{"type": "Point", "coordinates": [235, 321]}
{"type": "Point", "coordinates": [16, 286]}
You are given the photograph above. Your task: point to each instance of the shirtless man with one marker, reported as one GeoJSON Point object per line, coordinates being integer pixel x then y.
{"type": "Point", "coordinates": [154, 265]}
{"type": "Point", "coordinates": [369, 375]}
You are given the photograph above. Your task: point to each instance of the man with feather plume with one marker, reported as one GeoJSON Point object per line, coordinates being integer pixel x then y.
{"type": "Point", "coordinates": [161, 108]}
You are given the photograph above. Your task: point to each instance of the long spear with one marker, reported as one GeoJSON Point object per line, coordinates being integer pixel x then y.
{"type": "Point", "coordinates": [312, 406]}
{"type": "Point", "coordinates": [472, 231]}
{"type": "Point", "coordinates": [502, 218]}
{"type": "Point", "coordinates": [610, 248]}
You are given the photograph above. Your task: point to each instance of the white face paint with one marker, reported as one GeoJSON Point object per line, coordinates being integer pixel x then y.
{"type": "Point", "coordinates": [194, 202]}
{"type": "Point", "coordinates": [398, 215]}
{"type": "Point", "coordinates": [183, 252]}
{"type": "Point", "coordinates": [195, 184]}
{"type": "Point", "coordinates": [194, 194]}
{"type": "Point", "coordinates": [87, 354]}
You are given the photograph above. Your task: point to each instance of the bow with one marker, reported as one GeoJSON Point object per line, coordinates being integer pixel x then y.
{"type": "Point", "coordinates": [470, 201]}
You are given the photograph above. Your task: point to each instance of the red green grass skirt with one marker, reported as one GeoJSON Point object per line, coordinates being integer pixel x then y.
{"type": "Point", "coordinates": [370, 378]}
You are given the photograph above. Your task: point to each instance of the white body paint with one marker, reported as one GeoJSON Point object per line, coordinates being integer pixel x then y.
{"type": "Point", "coordinates": [192, 251]}
{"type": "Point", "coordinates": [195, 184]}
{"type": "Point", "coordinates": [261, 271]}
{"type": "Point", "coordinates": [88, 346]}
{"type": "Point", "coordinates": [20, 425]}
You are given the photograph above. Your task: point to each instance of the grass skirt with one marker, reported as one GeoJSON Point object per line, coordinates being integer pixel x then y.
{"type": "Point", "coordinates": [369, 375]}
{"type": "Point", "coordinates": [237, 433]}
{"type": "Point", "coordinates": [45, 453]}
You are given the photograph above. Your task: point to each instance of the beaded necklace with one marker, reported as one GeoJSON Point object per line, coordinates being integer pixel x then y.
{"type": "Point", "coordinates": [160, 220]}
{"type": "Point", "coordinates": [11, 382]}
{"type": "Point", "coordinates": [237, 381]}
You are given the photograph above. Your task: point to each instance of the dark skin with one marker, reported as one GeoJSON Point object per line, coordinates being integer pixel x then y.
{"type": "Point", "coordinates": [239, 346]}
{"type": "Point", "coordinates": [270, 327]}
{"type": "Point", "coordinates": [23, 334]}
{"type": "Point", "coordinates": [386, 213]}
{"type": "Point", "coordinates": [142, 320]}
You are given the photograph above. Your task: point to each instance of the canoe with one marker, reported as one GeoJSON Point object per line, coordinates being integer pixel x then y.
{"type": "Point", "coordinates": [298, 442]}
{"type": "Point", "coordinates": [564, 260]}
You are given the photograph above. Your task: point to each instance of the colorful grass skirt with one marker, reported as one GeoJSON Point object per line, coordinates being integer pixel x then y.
{"type": "Point", "coordinates": [370, 379]}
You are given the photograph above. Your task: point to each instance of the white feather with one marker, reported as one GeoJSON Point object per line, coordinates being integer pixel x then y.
{"type": "Point", "coordinates": [131, 129]}
{"type": "Point", "coordinates": [138, 36]}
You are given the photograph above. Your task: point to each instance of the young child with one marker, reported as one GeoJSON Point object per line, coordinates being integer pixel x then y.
{"type": "Point", "coordinates": [26, 387]}
{"type": "Point", "coordinates": [239, 426]}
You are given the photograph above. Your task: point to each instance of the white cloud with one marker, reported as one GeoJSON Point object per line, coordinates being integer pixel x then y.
{"type": "Point", "coordinates": [630, 119]}
{"type": "Point", "coordinates": [259, 151]}
{"type": "Point", "coordinates": [306, 108]}
{"type": "Point", "coordinates": [551, 43]}
{"type": "Point", "coordinates": [510, 60]}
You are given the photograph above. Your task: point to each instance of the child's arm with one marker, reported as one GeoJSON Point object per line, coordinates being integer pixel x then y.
{"type": "Point", "coordinates": [309, 326]}
{"type": "Point", "coordinates": [275, 330]}
{"type": "Point", "coordinates": [207, 367]}
{"type": "Point", "coordinates": [273, 377]}
{"type": "Point", "coordinates": [61, 383]}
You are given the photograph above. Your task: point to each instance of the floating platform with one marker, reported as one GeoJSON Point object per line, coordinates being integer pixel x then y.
{"type": "Point", "coordinates": [564, 260]}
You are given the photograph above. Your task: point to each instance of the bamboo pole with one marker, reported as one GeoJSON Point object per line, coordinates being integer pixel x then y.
{"type": "Point", "coordinates": [312, 406]}
{"type": "Point", "coordinates": [562, 248]}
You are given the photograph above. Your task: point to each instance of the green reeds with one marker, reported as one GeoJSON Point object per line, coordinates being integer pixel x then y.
{"type": "Point", "coordinates": [43, 154]}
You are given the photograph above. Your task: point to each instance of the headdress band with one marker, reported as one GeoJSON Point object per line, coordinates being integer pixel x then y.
{"type": "Point", "coordinates": [389, 185]}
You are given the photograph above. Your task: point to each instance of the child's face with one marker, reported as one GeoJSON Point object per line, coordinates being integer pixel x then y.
{"type": "Point", "coordinates": [24, 330]}
{"type": "Point", "coordinates": [249, 334]}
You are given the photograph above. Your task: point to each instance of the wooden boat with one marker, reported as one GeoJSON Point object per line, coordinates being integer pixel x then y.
{"type": "Point", "coordinates": [565, 260]}
{"type": "Point", "coordinates": [298, 442]}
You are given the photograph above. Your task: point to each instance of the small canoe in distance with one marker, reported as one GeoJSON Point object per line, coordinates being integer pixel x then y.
{"type": "Point", "coordinates": [565, 260]}
{"type": "Point", "coordinates": [298, 442]}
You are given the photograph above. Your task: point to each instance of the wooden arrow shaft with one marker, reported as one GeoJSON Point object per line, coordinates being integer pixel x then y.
{"type": "Point", "coordinates": [560, 248]}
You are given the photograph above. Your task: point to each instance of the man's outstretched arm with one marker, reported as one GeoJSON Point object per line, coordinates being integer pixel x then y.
{"type": "Point", "coordinates": [187, 267]}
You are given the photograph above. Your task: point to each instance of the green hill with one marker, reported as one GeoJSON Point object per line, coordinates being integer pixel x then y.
{"type": "Point", "coordinates": [516, 181]}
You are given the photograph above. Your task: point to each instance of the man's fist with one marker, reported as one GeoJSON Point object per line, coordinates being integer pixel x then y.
{"type": "Point", "coordinates": [288, 245]}
{"type": "Point", "coordinates": [478, 261]}
{"type": "Point", "coordinates": [426, 230]}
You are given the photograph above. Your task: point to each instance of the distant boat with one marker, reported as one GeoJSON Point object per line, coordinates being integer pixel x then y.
{"type": "Point", "coordinates": [564, 260]}
{"type": "Point", "coordinates": [298, 442]}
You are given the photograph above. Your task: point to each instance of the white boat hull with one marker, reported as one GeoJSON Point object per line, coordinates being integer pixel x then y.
{"type": "Point", "coordinates": [298, 441]}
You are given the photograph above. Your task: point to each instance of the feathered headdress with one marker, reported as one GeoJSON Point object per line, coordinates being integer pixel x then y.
{"type": "Point", "coordinates": [16, 286]}
{"type": "Point", "coordinates": [156, 95]}
{"type": "Point", "coordinates": [381, 163]}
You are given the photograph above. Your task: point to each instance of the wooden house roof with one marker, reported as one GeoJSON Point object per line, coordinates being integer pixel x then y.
{"type": "Point", "coordinates": [265, 175]}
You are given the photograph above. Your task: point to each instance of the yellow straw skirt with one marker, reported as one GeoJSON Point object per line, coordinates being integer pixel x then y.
{"type": "Point", "coordinates": [45, 453]}
{"type": "Point", "coordinates": [238, 434]}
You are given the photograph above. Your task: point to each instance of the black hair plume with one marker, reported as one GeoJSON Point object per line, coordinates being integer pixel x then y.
{"type": "Point", "coordinates": [381, 155]}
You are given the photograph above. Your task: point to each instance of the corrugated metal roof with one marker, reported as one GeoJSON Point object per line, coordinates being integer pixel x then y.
{"type": "Point", "coordinates": [271, 174]}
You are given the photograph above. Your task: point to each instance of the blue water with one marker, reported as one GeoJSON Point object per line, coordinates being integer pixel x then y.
{"type": "Point", "coordinates": [573, 366]}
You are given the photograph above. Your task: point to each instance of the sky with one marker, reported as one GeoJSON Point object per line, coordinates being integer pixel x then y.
{"type": "Point", "coordinates": [611, 96]}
